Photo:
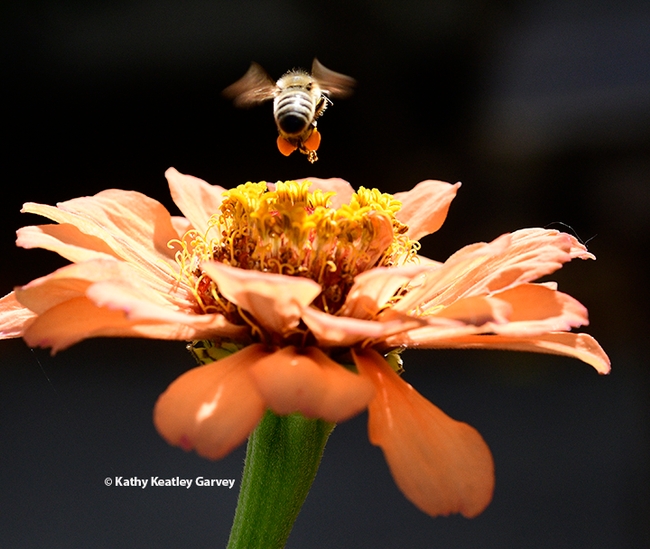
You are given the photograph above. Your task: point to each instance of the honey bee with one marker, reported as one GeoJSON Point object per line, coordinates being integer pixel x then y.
{"type": "Point", "coordinates": [299, 99]}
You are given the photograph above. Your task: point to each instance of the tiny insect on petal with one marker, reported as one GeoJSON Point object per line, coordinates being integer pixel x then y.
{"type": "Point", "coordinates": [285, 147]}
{"type": "Point", "coordinates": [313, 142]}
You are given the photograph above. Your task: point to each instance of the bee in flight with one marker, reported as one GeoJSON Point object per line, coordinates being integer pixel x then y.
{"type": "Point", "coordinates": [299, 99]}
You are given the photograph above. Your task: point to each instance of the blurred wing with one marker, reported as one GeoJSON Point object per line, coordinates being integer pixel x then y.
{"type": "Point", "coordinates": [333, 84]}
{"type": "Point", "coordinates": [251, 89]}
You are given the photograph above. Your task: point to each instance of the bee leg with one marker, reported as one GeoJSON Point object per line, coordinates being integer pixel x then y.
{"type": "Point", "coordinates": [311, 155]}
{"type": "Point", "coordinates": [322, 104]}
{"type": "Point", "coordinates": [311, 144]}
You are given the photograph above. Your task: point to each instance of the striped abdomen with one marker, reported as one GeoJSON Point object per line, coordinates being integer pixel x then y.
{"type": "Point", "coordinates": [294, 109]}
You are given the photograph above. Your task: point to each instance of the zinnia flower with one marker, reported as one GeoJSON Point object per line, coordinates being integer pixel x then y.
{"type": "Point", "coordinates": [314, 287]}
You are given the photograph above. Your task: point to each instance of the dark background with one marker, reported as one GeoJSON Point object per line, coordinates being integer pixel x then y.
{"type": "Point", "coordinates": [541, 109]}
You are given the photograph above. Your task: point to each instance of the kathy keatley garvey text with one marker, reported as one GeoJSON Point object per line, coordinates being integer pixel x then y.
{"type": "Point", "coordinates": [171, 481]}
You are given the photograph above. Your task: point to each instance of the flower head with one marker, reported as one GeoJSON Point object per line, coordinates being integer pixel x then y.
{"type": "Point", "coordinates": [313, 288]}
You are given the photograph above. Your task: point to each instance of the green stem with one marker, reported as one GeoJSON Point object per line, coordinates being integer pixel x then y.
{"type": "Point", "coordinates": [282, 458]}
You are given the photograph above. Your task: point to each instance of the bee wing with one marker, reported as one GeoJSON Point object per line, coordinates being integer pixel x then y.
{"type": "Point", "coordinates": [332, 83]}
{"type": "Point", "coordinates": [254, 87]}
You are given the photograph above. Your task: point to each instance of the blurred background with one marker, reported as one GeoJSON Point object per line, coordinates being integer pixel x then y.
{"type": "Point", "coordinates": [541, 109]}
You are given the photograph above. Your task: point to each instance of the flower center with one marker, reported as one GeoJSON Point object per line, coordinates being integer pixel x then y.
{"type": "Point", "coordinates": [287, 229]}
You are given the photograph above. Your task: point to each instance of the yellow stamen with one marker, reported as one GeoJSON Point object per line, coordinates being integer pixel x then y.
{"type": "Point", "coordinates": [289, 229]}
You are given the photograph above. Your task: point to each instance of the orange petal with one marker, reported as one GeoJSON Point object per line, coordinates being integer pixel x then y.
{"type": "Point", "coordinates": [66, 240]}
{"type": "Point", "coordinates": [478, 311]}
{"type": "Point", "coordinates": [181, 225]}
{"type": "Point", "coordinates": [481, 269]}
{"type": "Point", "coordinates": [425, 206]}
{"type": "Point", "coordinates": [538, 309]}
{"type": "Point", "coordinates": [284, 146]}
{"type": "Point", "coordinates": [441, 465]}
{"type": "Point", "coordinates": [374, 288]}
{"type": "Point", "coordinates": [14, 317]}
{"type": "Point", "coordinates": [580, 346]}
{"type": "Point", "coordinates": [275, 301]}
{"type": "Point", "coordinates": [134, 226]}
{"type": "Point", "coordinates": [529, 255]}
{"type": "Point", "coordinates": [340, 331]}
{"type": "Point", "coordinates": [73, 281]}
{"type": "Point", "coordinates": [308, 381]}
{"type": "Point", "coordinates": [450, 281]}
{"type": "Point", "coordinates": [74, 320]}
{"type": "Point", "coordinates": [124, 303]}
{"type": "Point", "coordinates": [194, 197]}
{"type": "Point", "coordinates": [526, 310]}
{"type": "Point", "coordinates": [432, 263]}
{"type": "Point", "coordinates": [213, 408]}
{"type": "Point", "coordinates": [142, 304]}
{"type": "Point", "coordinates": [67, 283]}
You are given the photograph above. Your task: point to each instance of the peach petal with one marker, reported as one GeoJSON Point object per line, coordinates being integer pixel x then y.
{"type": "Point", "coordinates": [51, 293]}
{"type": "Point", "coordinates": [531, 254]}
{"type": "Point", "coordinates": [78, 318]}
{"type": "Point", "coordinates": [478, 311]}
{"type": "Point", "coordinates": [450, 281]}
{"type": "Point", "coordinates": [213, 408]}
{"type": "Point", "coordinates": [423, 260]}
{"type": "Point", "coordinates": [136, 227]}
{"type": "Point", "coordinates": [481, 269]}
{"type": "Point", "coordinates": [525, 310]}
{"type": "Point", "coordinates": [140, 303]}
{"type": "Point", "coordinates": [374, 288]}
{"type": "Point", "coordinates": [197, 199]}
{"type": "Point", "coordinates": [339, 331]}
{"type": "Point", "coordinates": [425, 207]}
{"type": "Point", "coordinates": [73, 280]}
{"type": "Point", "coordinates": [308, 381]}
{"type": "Point", "coordinates": [342, 188]}
{"type": "Point", "coordinates": [66, 240]}
{"type": "Point", "coordinates": [432, 336]}
{"type": "Point", "coordinates": [66, 283]}
{"type": "Point", "coordinates": [581, 346]}
{"type": "Point", "coordinates": [537, 309]}
{"type": "Point", "coordinates": [72, 321]}
{"type": "Point", "coordinates": [181, 225]}
{"type": "Point", "coordinates": [117, 286]}
{"type": "Point", "coordinates": [14, 317]}
{"type": "Point", "coordinates": [275, 301]}
{"type": "Point", "coordinates": [441, 465]}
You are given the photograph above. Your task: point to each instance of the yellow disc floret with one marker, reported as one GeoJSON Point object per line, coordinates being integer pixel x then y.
{"type": "Point", "coordinates": [288, 229]}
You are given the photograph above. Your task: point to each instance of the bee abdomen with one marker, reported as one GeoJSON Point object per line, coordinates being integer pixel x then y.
{"type": "Point", "coordinates": [294, 111]}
